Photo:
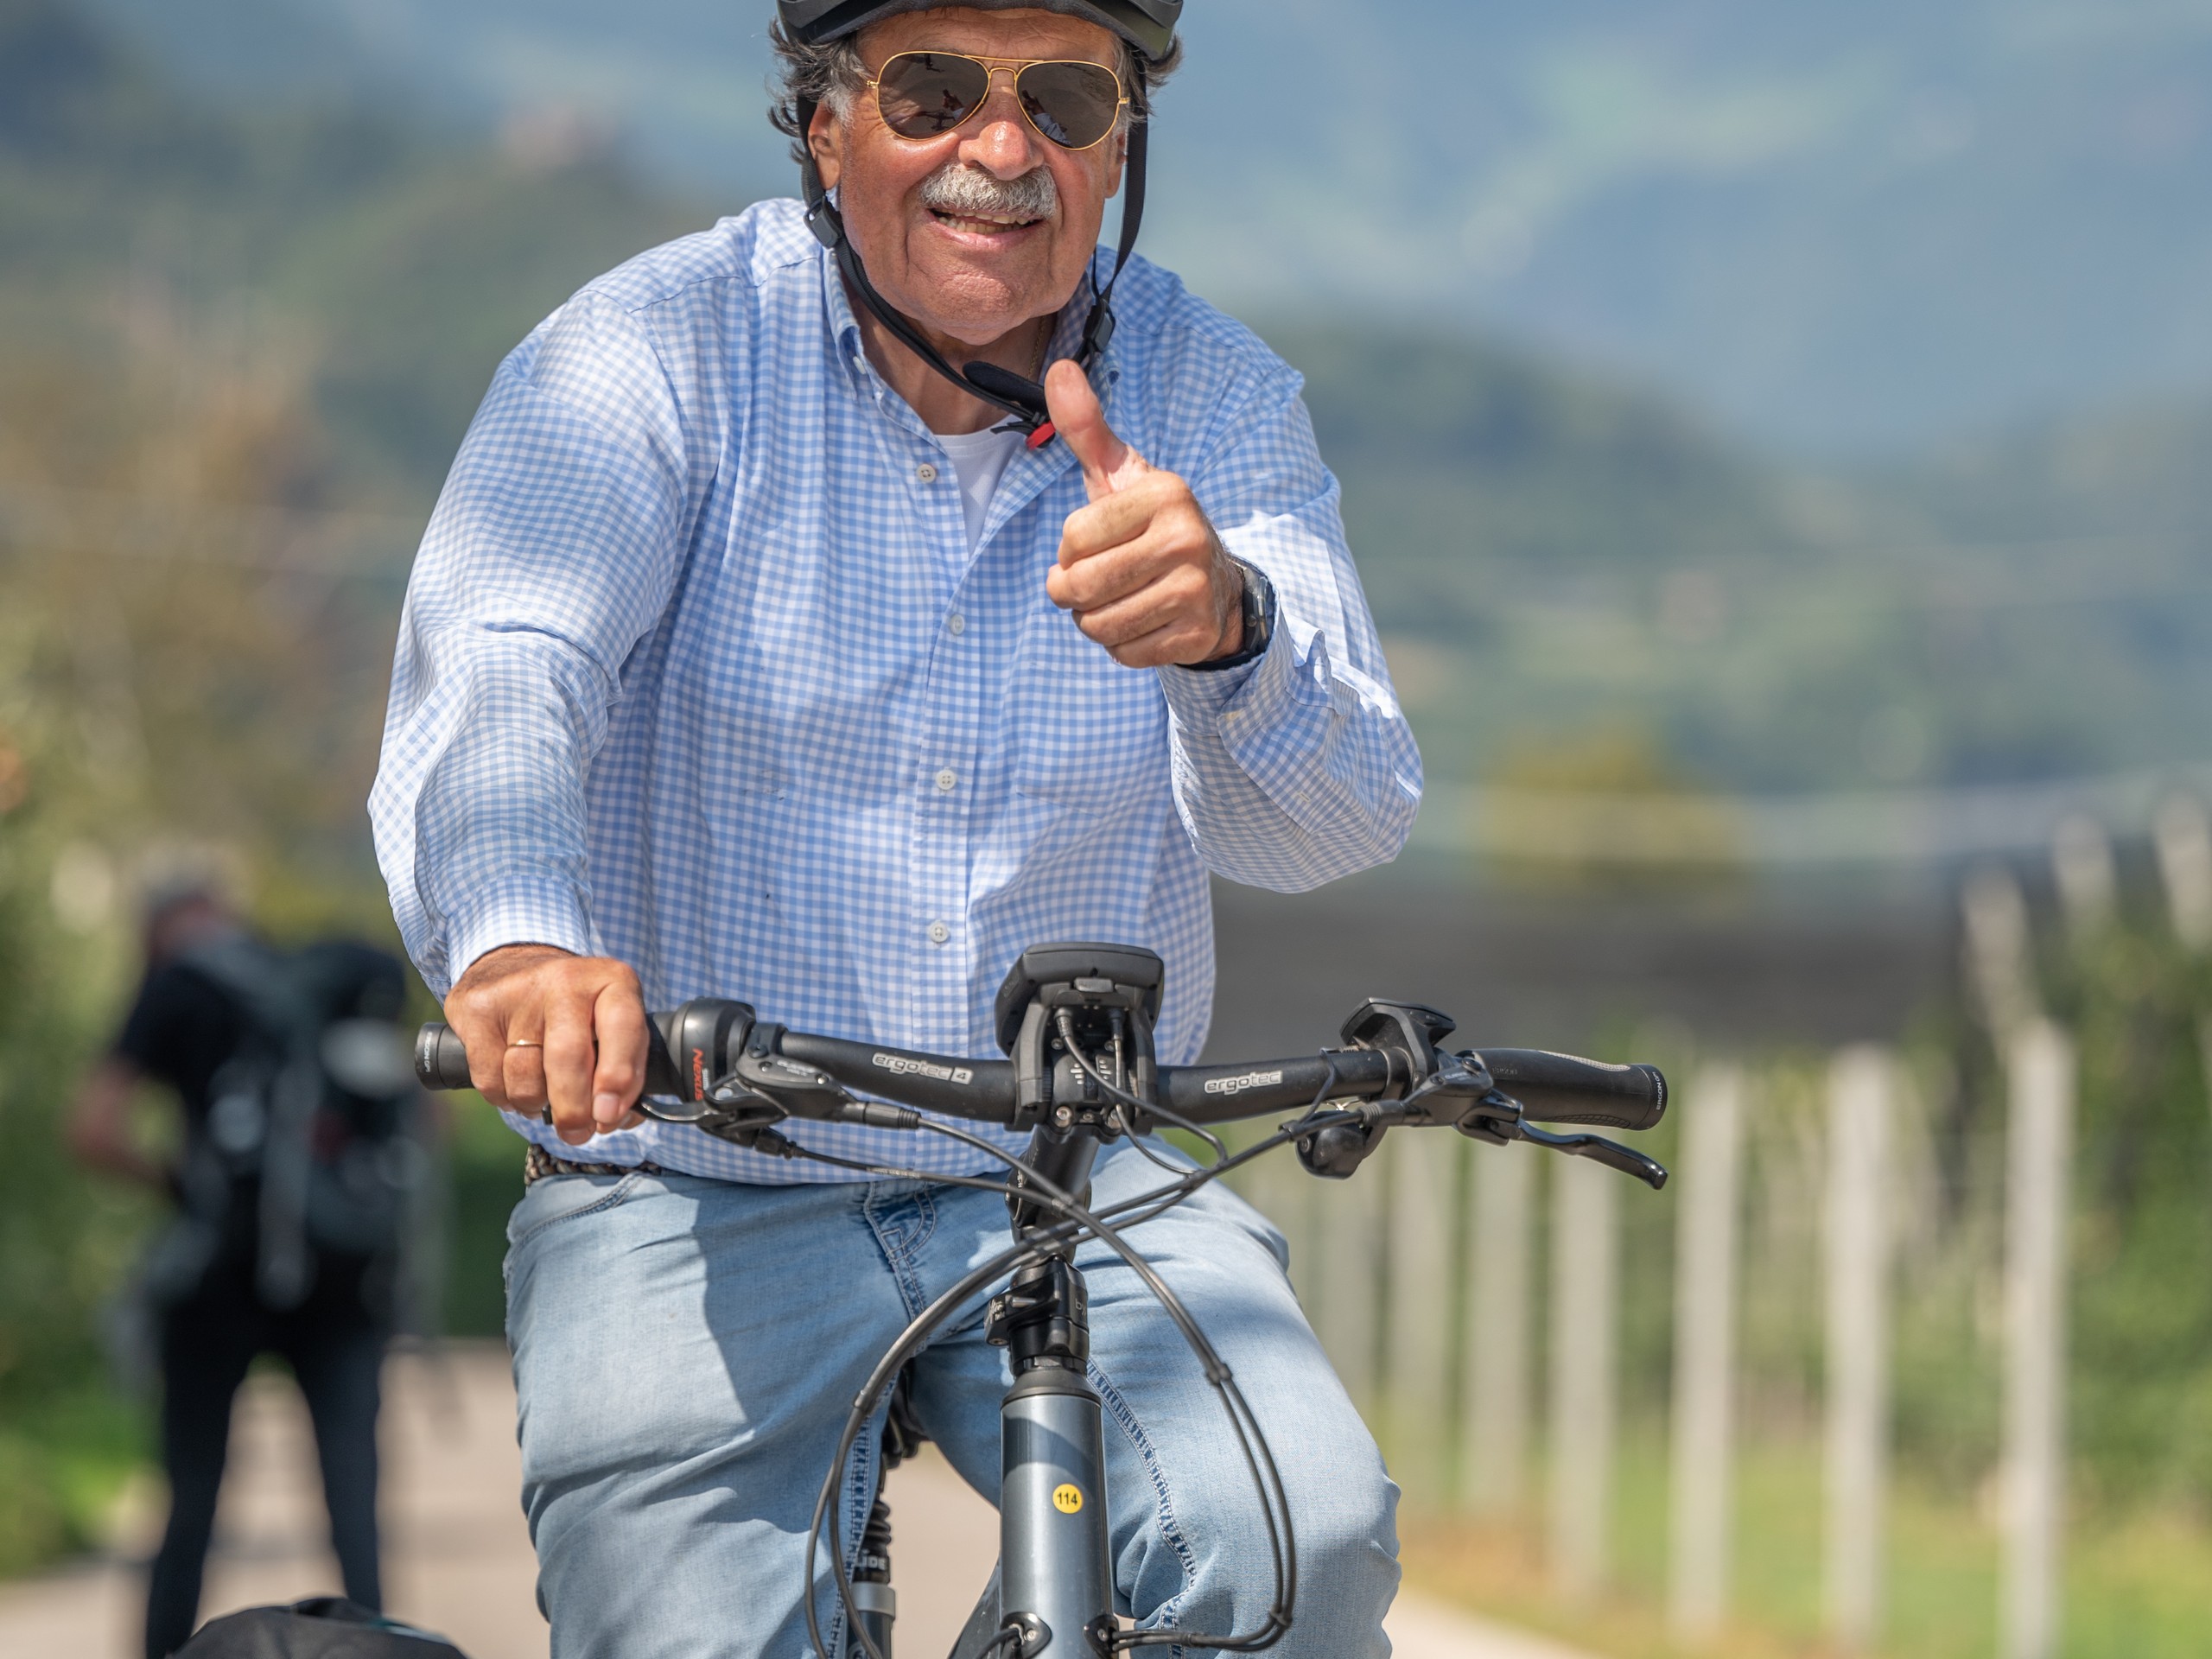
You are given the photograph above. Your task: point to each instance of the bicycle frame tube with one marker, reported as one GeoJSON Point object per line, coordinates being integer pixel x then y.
{"type": "Point", "coordinates": [1054, 1578]}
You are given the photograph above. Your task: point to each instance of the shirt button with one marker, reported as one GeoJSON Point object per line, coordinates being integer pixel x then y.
{"type": "Point", "coordinates": [958, 624]}
{"type": "Point", "coordinates": [926, 473]}
{"type": "Point", "coordinates": [939, 932]}
{"type": "Point", "coordinates": [948, 780]}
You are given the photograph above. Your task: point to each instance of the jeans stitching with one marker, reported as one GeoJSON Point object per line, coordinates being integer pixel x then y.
{"type": "Point", "coordinates": [620, 1191]}
{"type": "Point", "coordinates": [901, 1250]}
{"type": "Point", "coordinates": [860, 1483]}
{"type": "Point", "coordinates": [1170, 1525]}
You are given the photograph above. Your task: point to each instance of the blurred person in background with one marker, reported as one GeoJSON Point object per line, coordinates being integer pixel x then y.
{"type": "Point", "coordinates": [295, 1162]}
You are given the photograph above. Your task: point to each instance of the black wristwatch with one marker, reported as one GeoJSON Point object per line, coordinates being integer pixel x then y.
{"type": "Point", "coordinates": [1257, 612]}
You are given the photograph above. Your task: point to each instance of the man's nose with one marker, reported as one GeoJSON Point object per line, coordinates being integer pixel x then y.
{"type": "Point", "coordinates": [1002, 141]}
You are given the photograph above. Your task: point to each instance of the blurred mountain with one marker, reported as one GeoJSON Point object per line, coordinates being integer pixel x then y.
{"type": "Point", "coordinates": [1850, 224]}
{"type": "Point", "coordinates": [1579, 581]}
{"type": "Point", "coordinates": [2142, 472]}
{"type": "Point", "coordinates": [398, 260]}
{"type": "Point", "coordinates": [1582, 586]}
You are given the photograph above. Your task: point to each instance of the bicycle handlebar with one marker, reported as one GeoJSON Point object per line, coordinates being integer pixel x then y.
{"type": "Point", "coordinates": [1551, 1088]}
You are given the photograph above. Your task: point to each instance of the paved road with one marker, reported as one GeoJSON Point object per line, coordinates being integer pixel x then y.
{"type": "Point", "coordinates": [458, 1557]}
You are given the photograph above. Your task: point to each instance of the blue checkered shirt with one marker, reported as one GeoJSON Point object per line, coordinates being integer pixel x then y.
{"type": "Point", "coordinates": [698, 671]}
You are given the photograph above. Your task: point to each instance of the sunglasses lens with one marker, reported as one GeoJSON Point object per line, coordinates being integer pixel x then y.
{"type": "Point", "coordinates": [922, 94]}
{"type": "Point", "coordinates": [1074, 105]}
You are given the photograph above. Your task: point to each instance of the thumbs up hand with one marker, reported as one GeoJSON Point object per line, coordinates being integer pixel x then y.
{"type": "Point", "coordinates": [1140, 567]}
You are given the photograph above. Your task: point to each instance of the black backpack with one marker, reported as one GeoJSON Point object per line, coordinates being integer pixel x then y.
{"type": "Point", "coordinates": [326, 1627]}
{"type": "Point", "coordinates": [314, 1114]}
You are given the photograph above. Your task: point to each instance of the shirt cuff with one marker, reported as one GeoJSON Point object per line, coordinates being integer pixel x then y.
{"type": "Point", "coordinates": [517, 913]}
{"type": "Point", "coordinates": [1229, 700]}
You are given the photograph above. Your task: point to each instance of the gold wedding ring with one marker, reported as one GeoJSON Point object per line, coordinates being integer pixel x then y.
{"type": "Point", "coordinates": [526, 1045]}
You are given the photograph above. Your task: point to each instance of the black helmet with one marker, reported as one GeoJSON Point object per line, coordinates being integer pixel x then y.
{"type": "Point", "coordinates": [1148, 25]}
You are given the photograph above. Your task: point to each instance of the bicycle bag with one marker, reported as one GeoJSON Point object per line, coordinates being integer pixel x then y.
{"type": "Point", "coordinates": [323, 1627]}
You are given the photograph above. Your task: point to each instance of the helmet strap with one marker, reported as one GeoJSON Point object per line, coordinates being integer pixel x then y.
{"type": "Point", "coordinates": [1016, 394]}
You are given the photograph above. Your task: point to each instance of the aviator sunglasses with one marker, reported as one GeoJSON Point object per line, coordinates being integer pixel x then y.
{"type": "Point", "coordinates": [927, 94]}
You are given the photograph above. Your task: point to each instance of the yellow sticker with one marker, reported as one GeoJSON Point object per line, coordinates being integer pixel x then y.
{"type": "Point", "coordinates": [1067, 1499]}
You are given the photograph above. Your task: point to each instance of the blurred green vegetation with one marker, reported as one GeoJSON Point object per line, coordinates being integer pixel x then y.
{"type": "Point", "coordinates": [2138, 1582]}
{"type": "Point", "coordinates": [235, 352]}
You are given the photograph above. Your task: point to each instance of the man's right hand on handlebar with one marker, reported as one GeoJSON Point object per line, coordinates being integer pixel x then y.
{"type": "Point", "coordinates": [546, 1027]}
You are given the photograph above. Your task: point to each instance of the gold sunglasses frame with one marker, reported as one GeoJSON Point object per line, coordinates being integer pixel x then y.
{"type": "Point", "coordinates": [1013, 66]}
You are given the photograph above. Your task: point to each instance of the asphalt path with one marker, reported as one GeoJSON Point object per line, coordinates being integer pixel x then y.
{"type": "Point", "coordinates": [458, 1557]}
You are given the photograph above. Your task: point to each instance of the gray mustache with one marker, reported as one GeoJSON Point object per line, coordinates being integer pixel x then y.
{"type": "Point", "coordinates": [971, 191]}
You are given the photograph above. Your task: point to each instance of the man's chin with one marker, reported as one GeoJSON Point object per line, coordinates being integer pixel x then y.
{"type": "Point", "coordinates": [978, 300]}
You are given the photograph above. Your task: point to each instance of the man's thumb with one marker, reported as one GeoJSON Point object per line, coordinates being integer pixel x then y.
{"type": "Point", "coordinates": [1082, 426]}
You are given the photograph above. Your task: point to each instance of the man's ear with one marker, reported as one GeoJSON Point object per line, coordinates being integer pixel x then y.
{"type": "Point", "coordinates": [822, 142]}
{"type": "Point", "coordinates": [1121, 144]}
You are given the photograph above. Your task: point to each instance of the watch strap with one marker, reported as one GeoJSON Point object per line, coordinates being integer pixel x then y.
{"type": "Point", "coordinates": [1257, 612]}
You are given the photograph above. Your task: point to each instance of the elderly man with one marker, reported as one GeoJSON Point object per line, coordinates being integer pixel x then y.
{"type": "Point", "coordinates": [787, 632]}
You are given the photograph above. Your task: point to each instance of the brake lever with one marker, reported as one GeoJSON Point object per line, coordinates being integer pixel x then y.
{"type": "Point", "coordinates": [729, 1111]}
{"type": "Point", "coordinates": [1598, 1150]}
{"type": "Point", "coordinates": [1495, 1119]}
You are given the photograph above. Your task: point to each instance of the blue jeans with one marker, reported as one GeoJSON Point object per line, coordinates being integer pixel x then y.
{"type": "Point", "coordinates": [686, 1352]}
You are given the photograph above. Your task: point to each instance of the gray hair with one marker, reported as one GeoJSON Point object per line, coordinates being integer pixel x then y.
{"type": "Point", "coordinates": [833, 74]}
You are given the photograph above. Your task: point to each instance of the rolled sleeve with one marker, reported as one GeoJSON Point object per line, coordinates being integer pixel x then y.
{"type": "Point", "coordinates": [549, 555]}
{"type": "Point", "coordinates": [1298, 768]}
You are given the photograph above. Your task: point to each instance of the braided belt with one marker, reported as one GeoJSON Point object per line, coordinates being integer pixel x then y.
{"type": "Point", "coordinates": [538, 1164]}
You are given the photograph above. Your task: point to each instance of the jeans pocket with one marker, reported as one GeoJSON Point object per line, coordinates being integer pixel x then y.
{"type": "Point", "coordinates": [557, 1198]}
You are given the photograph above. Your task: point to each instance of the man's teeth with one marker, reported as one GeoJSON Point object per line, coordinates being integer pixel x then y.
{"type": "Point", "coordinates": [983, 227]}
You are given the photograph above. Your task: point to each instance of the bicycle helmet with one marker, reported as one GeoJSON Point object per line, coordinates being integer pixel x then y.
{"type": "Point", "coordinates": [1148, 25]}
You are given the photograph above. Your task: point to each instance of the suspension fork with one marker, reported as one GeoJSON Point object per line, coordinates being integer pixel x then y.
{"type": "Point", "coordinates": [877, 1602]}
{"type": "Point", "coordinates": [903, 1437]}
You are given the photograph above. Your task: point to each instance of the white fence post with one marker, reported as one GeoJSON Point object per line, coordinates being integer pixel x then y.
{"type": "Point", "coordinates": [2089, 879]}
{"type": "Point", "coordinates": [1424, 1198]}
{"type": "Point", "coordinates": [2039, 1137]}
{"type": "Point", "coordinates": [1347, 1225]}
{"type": "Point", "coordinates": [1285, 1195]}
{"type": "Point", "coordinates": [1585, 1246]}
{"type": "Point", "coordinates": [1703, 1483]}
{"type": "Point", "coordinates": [2184, 839]}
{"type": "Point", "coordinates": [2000, 960]}
{"type": "Point", "coordinates": [1498, 1363]}
{"type": "Point", "coordinates": [1860, 1085]}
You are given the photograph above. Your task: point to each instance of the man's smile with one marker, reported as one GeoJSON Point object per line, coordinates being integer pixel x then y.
{"type": "Point", "coordinates": [981, 210]}
{"type": "Point", "coordinates": [990, 226]}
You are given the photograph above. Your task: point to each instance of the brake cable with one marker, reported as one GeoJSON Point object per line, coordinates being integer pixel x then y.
{"type": "Point", "coordinates": [1077, 1222]}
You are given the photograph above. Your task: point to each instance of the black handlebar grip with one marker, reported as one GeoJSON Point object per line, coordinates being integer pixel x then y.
{"type": "Point", "coordinates": [441, 1062]}
{"type": "Point", "coordinates": [1561, 1088]}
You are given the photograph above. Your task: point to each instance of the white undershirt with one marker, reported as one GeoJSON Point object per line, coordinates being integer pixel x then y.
{"type": "Point", "coordinates": [979, 460]}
